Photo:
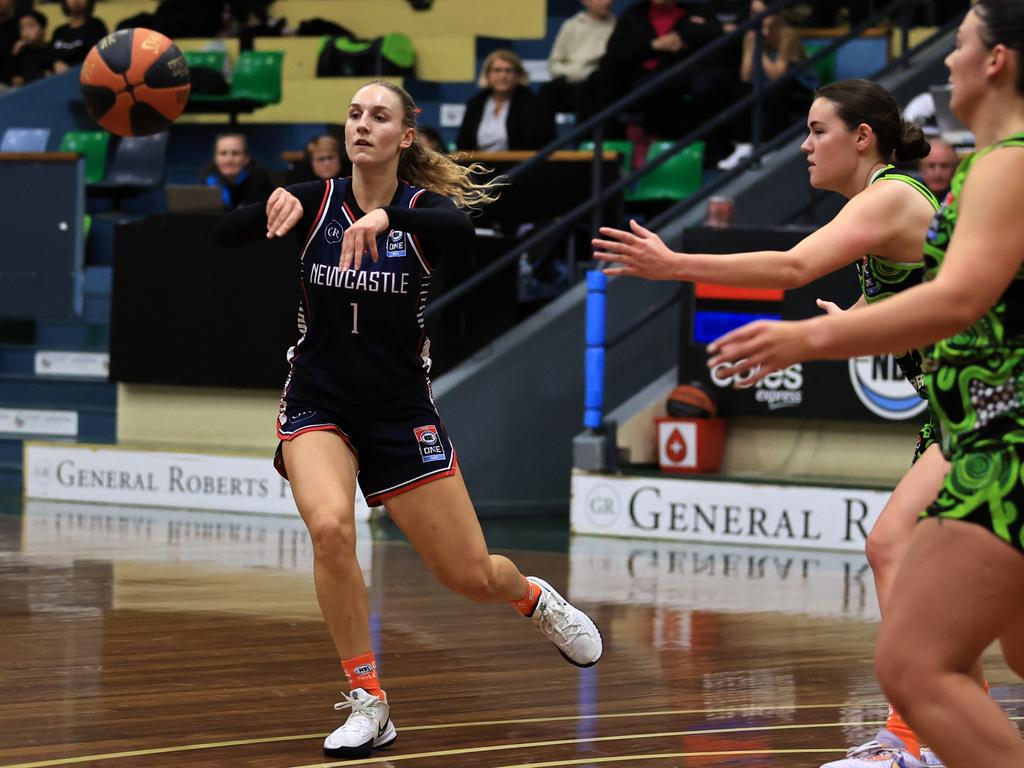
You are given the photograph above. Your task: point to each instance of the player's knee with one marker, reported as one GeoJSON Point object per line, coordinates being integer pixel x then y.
{"type": "Point", "coordinates": [1013, 652]}
{"type": "Point", "coordinates": [474, 581]}
{"type": "Point", "coordinates": [901, 672]}
{"type": "Point", "coordinates": [333, 537]}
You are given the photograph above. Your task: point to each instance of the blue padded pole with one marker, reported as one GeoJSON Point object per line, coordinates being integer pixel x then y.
{"type": "Point", "coordinates": [594, 372]}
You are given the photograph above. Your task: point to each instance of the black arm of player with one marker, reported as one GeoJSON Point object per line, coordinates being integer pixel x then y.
{"type": "Point", "coordinates": [436, 218]}
{"type": "Point", "coordinates": [439, 225]}
{"type": "Point", "coordinates": [249, 222]}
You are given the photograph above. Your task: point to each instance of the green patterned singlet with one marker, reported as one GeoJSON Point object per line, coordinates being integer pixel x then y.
{"type": "Point", "coordinates": [880, 279]}
{"type": "Point", "coordinates": [975, 381]}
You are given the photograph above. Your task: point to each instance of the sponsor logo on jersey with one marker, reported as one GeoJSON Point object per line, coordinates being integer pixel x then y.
{"type": "Point", "coordinates": [779, 389]}
{"type": "Point", "coordinates": [429, 443]}
{"type": "Point", "coordinates": [883, 388]}
{"type": "Point", "coordinates": [396, 244]}
{"type": "Point", "coordinates": [333, 232]}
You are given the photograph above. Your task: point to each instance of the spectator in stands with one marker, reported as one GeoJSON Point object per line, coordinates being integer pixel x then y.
{"type": "Point", "coordinates": [728, 13]}
{"type": "Point", "coordinates": [781, 51]}
{"type": "Point", "coordinates": [574, 58]}
{"type": "Point", "coordinates": [31, 55]}
{"type": "Point", "coordinates": [326, 158]}
{"type": "Point", "coordinates": [505, 114]}
{"type": "Point", "coordinates": [239, 179]}
{"type": "Point", "coordinates": [9, 33]}
{"type": "Point", "coordinates": [431, 139]}
{"type": "Point", "coordinates": [72, 41]}
{"type": "Point", "coordinates": [650, 37]}
{"type": "Point", "coordinates": [938, 168]}
{"type": "Point", "coordinates": [181, 18]}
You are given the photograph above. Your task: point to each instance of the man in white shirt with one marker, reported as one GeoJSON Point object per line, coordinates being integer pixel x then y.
{"type": "Point", "coordinates": [578, 48]}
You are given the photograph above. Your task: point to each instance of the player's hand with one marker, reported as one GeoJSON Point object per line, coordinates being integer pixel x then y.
{"type": "Point", "coordinates": [284, 211]}
{"type": "Point", "coordinates": [830, 307]}
{"type": "Point", "coordinates": [752, 352]}
{"type": "Point", "coordinates": [641, 253]}
{"type": "Point", "coordinates": [361, 238]}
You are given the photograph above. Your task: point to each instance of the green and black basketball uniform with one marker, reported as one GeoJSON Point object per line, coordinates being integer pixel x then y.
{"type": "Point", "coordinates": [880, 279]}
{"type": "Point", "coordinates": [975, 382]}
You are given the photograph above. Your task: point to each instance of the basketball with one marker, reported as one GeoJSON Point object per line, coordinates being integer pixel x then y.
{"type": "Point", "coordinates": [135, 82]}
{"type": "Point", "coordinates": [691, 401]}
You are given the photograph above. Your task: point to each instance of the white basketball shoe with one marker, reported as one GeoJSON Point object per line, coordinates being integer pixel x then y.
{"type": "Point", "coordinates": [886, 750]}
{"type": "Point", "coordinates": [573, 632]}
{"type": "Point", "coordinates": [368, 727]}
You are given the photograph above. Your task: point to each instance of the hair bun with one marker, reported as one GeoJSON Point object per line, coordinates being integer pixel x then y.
{"type": "Point", "coordinates": [912, 144]}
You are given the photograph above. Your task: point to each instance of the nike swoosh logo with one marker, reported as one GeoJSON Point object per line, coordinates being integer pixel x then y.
{"type": "Point", "coordinates": [383, 727]}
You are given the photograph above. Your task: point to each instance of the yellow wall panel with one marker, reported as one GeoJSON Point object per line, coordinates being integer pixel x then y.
{"type": "Point", "coordinates": [522, 18]}
{"type": "Point", "coordinates": [437, 58]}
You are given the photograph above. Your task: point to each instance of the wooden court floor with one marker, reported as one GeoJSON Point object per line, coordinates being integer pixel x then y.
{"type": "Point", "coordinates": [132, 637]}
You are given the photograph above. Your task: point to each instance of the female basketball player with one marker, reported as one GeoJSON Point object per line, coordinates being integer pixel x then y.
{"type": "Point", "coordinates": [967, 553]}
{"type": "Point", "coordinates": [357, 401]}
{"type": "Point", "coordinates": [855, 132]}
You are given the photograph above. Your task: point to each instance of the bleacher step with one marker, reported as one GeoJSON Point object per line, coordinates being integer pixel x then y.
{"type": "Point", "coordinates": [18, 390]}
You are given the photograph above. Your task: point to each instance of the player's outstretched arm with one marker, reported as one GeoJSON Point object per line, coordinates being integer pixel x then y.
{"type": "Point", "coordinates": [274, 218]}
{"type": "Point", "coordinates": [866, 224]}
{"type": "Point", "coordinates": [984, 255]}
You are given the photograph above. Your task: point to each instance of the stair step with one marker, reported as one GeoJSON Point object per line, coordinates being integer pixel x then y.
{"type": "Point", "coordinates": [96, 424]}
{"type": "Point", "coordinates": [19, 390]}
{"type": "Point", "coordinates": [11, 478]}
{"type": "Point", "coordinates": [21, 359]}
{"type": "Point", "coordinates": [98, 280]}
{"type": "Point", "coordinates": [73, 335]}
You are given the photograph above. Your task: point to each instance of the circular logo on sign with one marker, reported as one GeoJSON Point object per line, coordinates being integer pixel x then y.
{"type": "Point", "coordinates": [602, 505]}
{"type": "Point", "coordinates": [883, 389]}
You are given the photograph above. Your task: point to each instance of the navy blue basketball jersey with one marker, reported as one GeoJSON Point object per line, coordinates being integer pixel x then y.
{"type": "Point", "coordinates": [362, 344]}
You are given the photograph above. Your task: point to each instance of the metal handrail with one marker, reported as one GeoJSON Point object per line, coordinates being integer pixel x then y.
{"type": "Point", "coordinates": [785, 136]}
{"type": "Point", "coordinates": [598, 199]}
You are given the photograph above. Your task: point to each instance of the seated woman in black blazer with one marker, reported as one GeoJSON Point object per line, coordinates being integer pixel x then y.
{"type": "Point", "coordinates": [506, 113]}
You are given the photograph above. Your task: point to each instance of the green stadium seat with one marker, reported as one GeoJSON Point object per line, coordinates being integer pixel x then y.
{"type": "Point", "coordinates": [258, 76]}
{"type": "Point", "coordinates": [826, 68]}
{"type": "Point", "coordinates": [93, 146]}
{"type": "Point", "coordinates": [675, 179]}
{"type": "Point", "coordinates": [208, 59]}
{"type": "Point", "coordinates": [624, 148]}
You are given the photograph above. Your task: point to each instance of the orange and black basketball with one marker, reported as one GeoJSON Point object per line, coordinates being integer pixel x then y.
{"type": "Point", "coordinates": [135, 82]}
{"type": "Point", "coordinates": [691, 401]}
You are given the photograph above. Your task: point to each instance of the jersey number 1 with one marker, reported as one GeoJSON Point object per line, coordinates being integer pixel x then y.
{"type": "Point", "coordinates": [355, 317]}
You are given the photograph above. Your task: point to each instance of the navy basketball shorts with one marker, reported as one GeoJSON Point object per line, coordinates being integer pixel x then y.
{"type": "Point", "coordinates": [397, 451]}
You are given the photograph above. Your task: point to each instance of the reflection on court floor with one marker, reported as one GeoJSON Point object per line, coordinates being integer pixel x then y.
{"type": "Point", "coordinates": [148, 638]}
{"type": "Point", "coordinates": [731, 578]}
{"type": "Point", "coordinates": [55, 528]}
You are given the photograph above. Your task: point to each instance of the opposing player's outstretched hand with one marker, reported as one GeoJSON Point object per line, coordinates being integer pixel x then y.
{"type": "Point", "coordinates": [759, 348]}
{"type": "Point", "coordinates": [641, 253]}
{"type": "Point", "coordinates": [284, 211]}
{"type": "Point", "coordinates": [361, 238]}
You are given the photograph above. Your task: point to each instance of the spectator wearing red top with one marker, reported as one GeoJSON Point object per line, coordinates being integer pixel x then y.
{"type": "Point", "coordinates": [649, 37]}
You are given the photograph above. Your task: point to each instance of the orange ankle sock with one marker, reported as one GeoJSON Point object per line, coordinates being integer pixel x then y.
{"type": "Point", "coordinates": [898, 727]}
{"type": "Point", "coordinates": [361, 672]}
{"type": "Point", "coordinates": [526, 604]}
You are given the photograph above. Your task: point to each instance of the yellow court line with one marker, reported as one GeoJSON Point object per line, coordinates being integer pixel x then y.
{"type": "Point", "coordinates": [670, 755]}
{"type": "Point", "coordinates": [448, 726]}
{"type": "Point", "coordinates": [561, 743]}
